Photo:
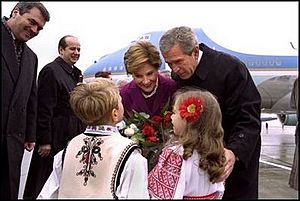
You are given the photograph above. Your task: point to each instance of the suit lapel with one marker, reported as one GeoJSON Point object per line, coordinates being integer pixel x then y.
{"type": "Point", "coordinates": [27, 68]}
{"type": "Point", "coordinates": [9, 55]}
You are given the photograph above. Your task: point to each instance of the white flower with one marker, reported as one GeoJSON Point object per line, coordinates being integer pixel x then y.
{"type": "Point", "coordinates": [133, 126]}
{"type": "Point", "coordinates": [129, 132]}
{"type": "Point", "coordinates": [147, 116]}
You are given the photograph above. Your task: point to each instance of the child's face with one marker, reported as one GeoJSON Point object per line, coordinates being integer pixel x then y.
{"type": "Point", "coordinates": [178, 122]}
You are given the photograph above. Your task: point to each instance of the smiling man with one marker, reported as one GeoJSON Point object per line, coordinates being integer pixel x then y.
{"type": "Point", "coordinates": [19, 95]}
{"type": "Point", "coordinates": [56, 122]}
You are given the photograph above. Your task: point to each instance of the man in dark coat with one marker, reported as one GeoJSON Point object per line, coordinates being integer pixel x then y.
{"type": "Point", "coordinates": [230, 81]}
{"type": "Point", "coordinates": [56, 124]}
{"type": "Point", "coordinates": [19, 96]}
{"type": "Point", "coordinates": [294, 101]}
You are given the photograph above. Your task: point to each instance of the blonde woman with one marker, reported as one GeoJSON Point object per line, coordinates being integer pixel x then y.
{"type": "Point", "coordinates": [149, 91]}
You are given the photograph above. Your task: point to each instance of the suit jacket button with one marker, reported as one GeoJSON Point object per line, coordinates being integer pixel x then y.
{"type": "Point", "coordinates": [241, 135]}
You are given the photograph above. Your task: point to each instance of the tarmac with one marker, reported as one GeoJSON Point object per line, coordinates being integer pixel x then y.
{"type": "Point", "coordinates": [278, 146]}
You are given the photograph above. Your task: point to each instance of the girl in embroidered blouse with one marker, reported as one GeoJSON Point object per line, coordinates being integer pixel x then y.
{"type": "Point", "coordinates": [194, 158]}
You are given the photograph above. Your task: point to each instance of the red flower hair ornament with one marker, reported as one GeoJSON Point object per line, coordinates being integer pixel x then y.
{"type": "Point", "coordinates": [191, 108]}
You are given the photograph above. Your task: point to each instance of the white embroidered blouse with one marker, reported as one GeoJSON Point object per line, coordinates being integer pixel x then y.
{"type": "Point", "coordinates": [175, 178]}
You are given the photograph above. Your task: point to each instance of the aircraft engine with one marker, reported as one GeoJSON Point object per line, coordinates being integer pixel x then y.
{"type": "Point", "coordinates": [288, 119]}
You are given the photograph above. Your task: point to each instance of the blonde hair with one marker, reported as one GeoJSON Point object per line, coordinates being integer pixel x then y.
{"type": "Point", "coordinates": [205, 135]}
{"type": "Point", "coordinates": [140, 53]}
{"type": "Point", "coordinates": [93, 102]}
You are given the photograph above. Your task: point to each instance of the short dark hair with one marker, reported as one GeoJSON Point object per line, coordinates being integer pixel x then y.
{"type": "Point", "coordinates": [104, 74]}
{"type": "Point", "coordinates": [25, 7]}
{"type": "Point", "coordinates": [62, 42]}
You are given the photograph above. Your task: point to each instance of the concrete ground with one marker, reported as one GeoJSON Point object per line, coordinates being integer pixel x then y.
{"type": "Point", "coordinates": [278, 146]}
{"type": "Point", "coordinates": [275, 163]}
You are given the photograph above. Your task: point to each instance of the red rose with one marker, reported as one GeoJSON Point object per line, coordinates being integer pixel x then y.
{"type": "Point", "coordinates": [152, 139]}
{"type": "Point", "coordinates": [157, 119]}
{"type": "Point", "coordinates": [148, 130]}
{"type": "Point", "coordinates": [167, 119]}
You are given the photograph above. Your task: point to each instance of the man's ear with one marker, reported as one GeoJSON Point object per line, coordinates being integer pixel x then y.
{"type": "Point", "coordinates": [15, 12]}
{"type": "Point", "coordinates": [60, 49]}
{"type": "Point", "coordinates": [196, 52]}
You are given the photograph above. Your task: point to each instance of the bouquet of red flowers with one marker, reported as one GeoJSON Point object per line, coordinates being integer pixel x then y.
{"type": "Point", "coordinates": [148, 131]}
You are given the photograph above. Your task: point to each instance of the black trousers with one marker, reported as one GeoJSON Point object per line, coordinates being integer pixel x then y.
{"type": "Point", "coordinates": [39, 170]}
{"type": "Point", "coordinates": [5, 193]}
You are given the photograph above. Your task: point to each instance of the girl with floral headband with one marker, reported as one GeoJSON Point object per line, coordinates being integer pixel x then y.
{"type": "Point", "coordinates": [191, 162]}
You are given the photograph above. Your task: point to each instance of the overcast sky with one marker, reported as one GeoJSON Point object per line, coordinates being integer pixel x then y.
{"type": "Point", "coordinates": [104, 27]}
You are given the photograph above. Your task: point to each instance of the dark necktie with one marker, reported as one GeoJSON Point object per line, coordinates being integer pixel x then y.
{"type": "Point", "coordinates": [18, 51]}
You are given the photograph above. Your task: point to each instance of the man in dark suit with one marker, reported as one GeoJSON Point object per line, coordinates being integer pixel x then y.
{"type": "Point", "coordinates": [225, 76]}
{"type": "Point", "coordinates": [57, 123]}
{"type": "Point", "coordinates": [19, 95]}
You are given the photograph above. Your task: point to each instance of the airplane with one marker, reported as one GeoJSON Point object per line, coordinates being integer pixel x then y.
{"type": "Point", "coordinates": [273, 75]}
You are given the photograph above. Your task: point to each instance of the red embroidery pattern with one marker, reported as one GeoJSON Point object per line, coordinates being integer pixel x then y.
{"type": "Point", "coordinates": [89, 151]}
{"type": "Point", "coordinates": [212, 196]}
{"type": "Point", "coordinates": [164, 177]}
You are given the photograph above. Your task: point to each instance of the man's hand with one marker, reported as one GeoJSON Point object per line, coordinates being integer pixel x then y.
{"type": "Point", "coordinates": [29, 146]}
{"type": "Point", "coordinates": [229, 164]}
{"type": "Point", "coordinates": [44, 150]}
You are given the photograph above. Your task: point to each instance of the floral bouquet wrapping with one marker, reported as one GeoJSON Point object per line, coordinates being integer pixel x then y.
{"type": "Point", "coordinates": [149, 133]}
